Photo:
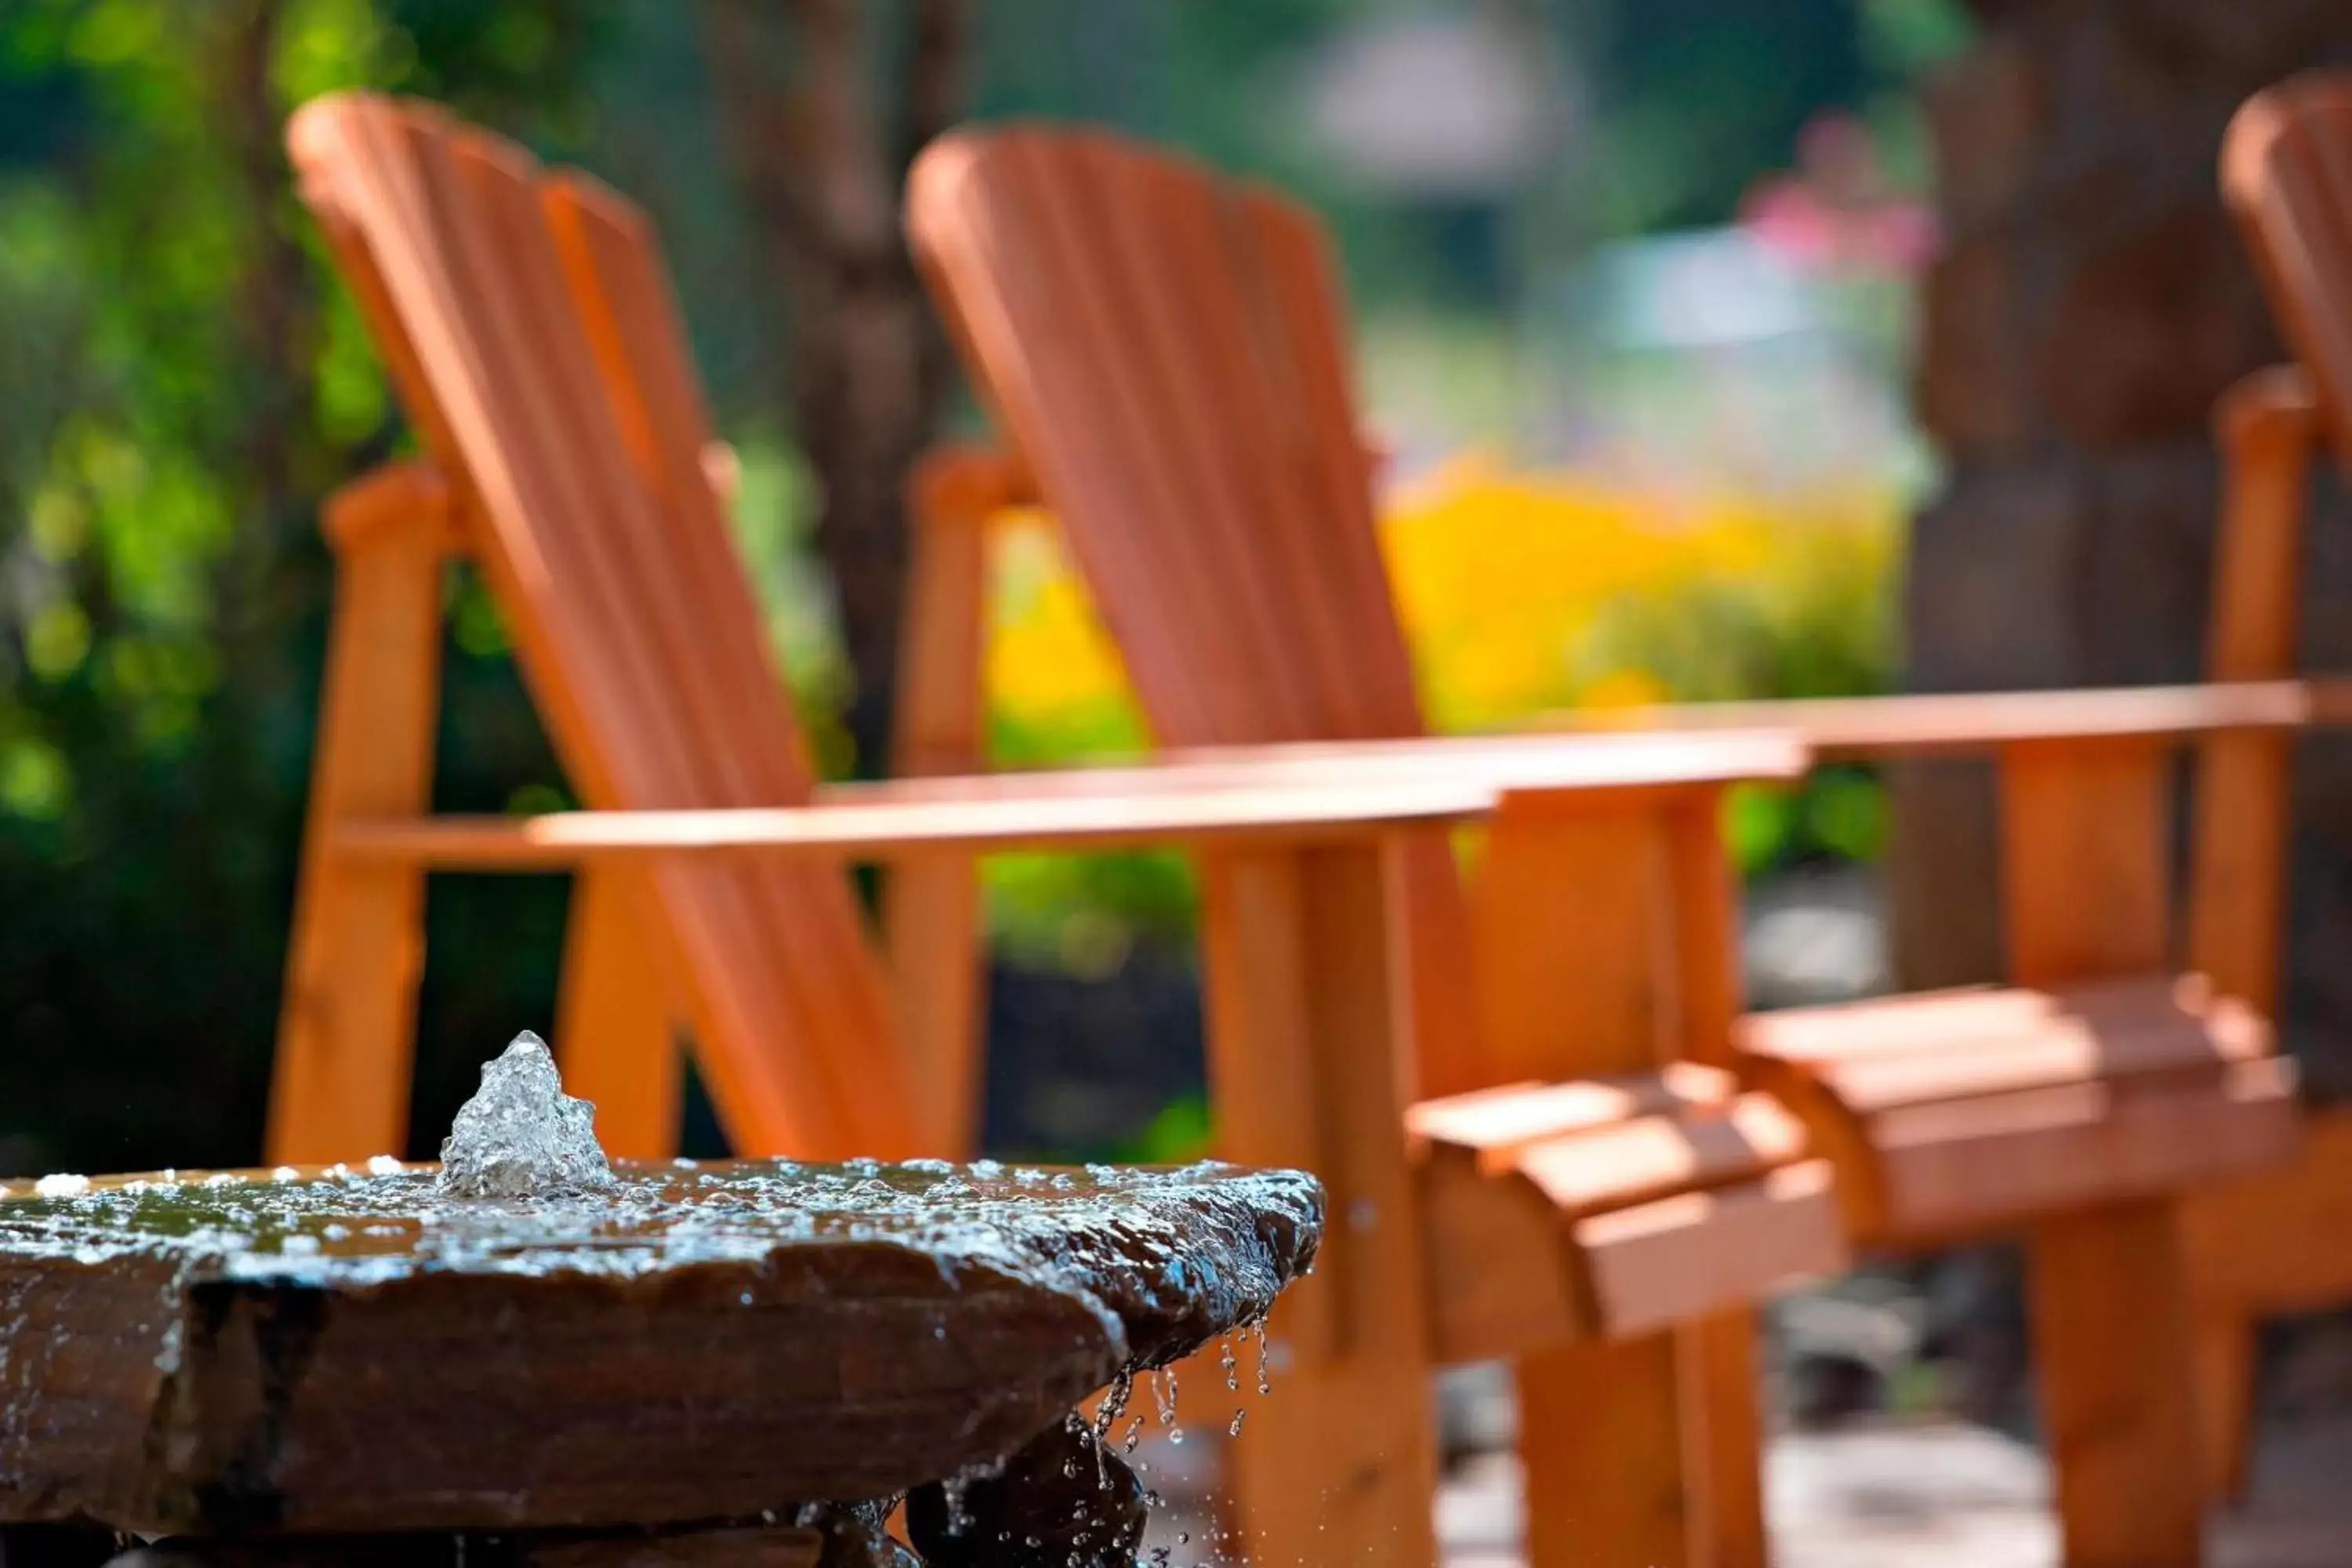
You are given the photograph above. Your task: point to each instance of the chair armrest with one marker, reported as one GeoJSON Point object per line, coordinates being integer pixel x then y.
{"type": "Point", "coordinates": [1315, 795]}
{"type": "Point", "coordinates": [1614, 763]}
{"type": "Point", "coordinates": [1867, 727]}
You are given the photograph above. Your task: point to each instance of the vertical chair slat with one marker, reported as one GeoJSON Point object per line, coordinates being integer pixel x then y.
{"type": "Point", "coordinates": [1338, 579]}
{"type": "Point", "coordinates": [742, 753]}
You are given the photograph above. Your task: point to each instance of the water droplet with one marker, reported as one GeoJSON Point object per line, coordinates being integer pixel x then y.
{"type": "Point", "coordinates": [1163, 1396]}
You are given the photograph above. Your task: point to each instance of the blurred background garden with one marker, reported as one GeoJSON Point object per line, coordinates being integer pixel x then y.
{"type": "Point", "coordinates": [1634, 281]}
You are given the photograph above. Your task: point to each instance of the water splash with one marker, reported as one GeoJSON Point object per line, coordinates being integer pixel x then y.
{"type": "Point", "coordinates": [1107, 1413]}
{"type": "Point", "coordinates": [521, 1136]}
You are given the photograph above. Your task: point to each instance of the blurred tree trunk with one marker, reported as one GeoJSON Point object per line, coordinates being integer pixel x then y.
{"type": "Point", "coordinates": [274, 576]}
{"type": "Point", "coordinates": [2091, 301]}
{"type": "Point", "coordinates": [823, 103]}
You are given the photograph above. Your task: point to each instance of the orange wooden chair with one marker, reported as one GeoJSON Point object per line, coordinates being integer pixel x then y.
{"type": "Point", "coordinates": [529, 327]}
{"type": "Point", "coordinates": [530, 330]}
{"type": "Point", "coordinates": [1164, 353]}
{"type": "Point", "coordinates": [2282, 1241]}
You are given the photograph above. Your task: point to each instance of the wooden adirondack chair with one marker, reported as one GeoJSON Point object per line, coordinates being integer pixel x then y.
{"type": "Point", "coordinates": [2279, 1242]}
{"type": "Point", "coordinates": [1163, 350]}
{"type": "Point", "coordinates": [529, 327]}
{"type": "Point", "coordinates": [1164, 356]}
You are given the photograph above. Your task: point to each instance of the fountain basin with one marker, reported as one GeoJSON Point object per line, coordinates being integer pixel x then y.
{"type": "Point", "coordinates": [323, 1352]}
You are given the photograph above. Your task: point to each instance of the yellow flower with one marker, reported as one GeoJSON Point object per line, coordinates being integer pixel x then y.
{"type": "Point", "coordinates": [1526, 591]}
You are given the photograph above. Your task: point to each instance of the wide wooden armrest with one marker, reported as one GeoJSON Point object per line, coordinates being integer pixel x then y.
{"type": "Point", "coordinates": [1286, 794]}
{"type": "Point", "coordinates": [1867, 727]}
{"type": "Point", "coordinates": [885, 829]}
{"type": "Point", "coordinates": [1663, 760]}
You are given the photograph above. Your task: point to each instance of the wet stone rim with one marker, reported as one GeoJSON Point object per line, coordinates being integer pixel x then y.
{"type": "Point", "coordinates": [731, 1337]}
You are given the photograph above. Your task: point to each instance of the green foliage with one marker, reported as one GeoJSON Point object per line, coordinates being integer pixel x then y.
{"type": "Point", "coordinates": [1084, 913]}
{"type": "Point", "coordinates": [184, 386]}
{"type": "Point", "coordinates": [1182, 1134]}
{"type": "Point", "coordinates": [1838, 814]}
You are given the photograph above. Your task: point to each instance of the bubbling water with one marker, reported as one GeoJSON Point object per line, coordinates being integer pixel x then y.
{"type": "Point", "coordinates": [521, 1136]}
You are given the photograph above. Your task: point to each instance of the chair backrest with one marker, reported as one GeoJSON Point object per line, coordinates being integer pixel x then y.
{"type": "Point", "coordinates": [1166, 351]}
{"type": "Point", "coordinates": [2286, 173]}
{"type": "Point", "coordinates": [1164, 347]}
{"type": "Point", "coordinates": [530, 328]}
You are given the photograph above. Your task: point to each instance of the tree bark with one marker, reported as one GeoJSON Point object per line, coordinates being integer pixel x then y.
{"type": "Point", "coordinates": [822, 154]}
{"type": "Point", "coordinates": [2091, 301]}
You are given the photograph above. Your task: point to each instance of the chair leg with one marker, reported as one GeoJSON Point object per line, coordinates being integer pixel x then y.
{"type": "Point", "coordinates": [1646, 1450]}
{"type": "Point", "coordinates": [2225, 1404]}
{"type": "Point", "coordinates": [931, 912]}
{"type": "Point", "coordinates": [1601, 1434]}
{"type": "Point", "coordinates": [339, 1086]}
{"type": "Point", "coordinates": [1340, 1465]}
{"type": "Point", "coordinates": [2112, 1339]}
{"type": "Point", "coordinates": [1723, 1424]}
{"type": "Point", "coordinates": [345, 1040]}
{"type": "Point", "coordinates": [612, 1031]}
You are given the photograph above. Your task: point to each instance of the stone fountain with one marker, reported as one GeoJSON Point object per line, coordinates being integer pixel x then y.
{"type": "Point", "coordinates": [526, 1355]}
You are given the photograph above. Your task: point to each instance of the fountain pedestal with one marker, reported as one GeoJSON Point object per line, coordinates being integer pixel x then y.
{"type": "Point", "coordinates": [244, 1359]}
